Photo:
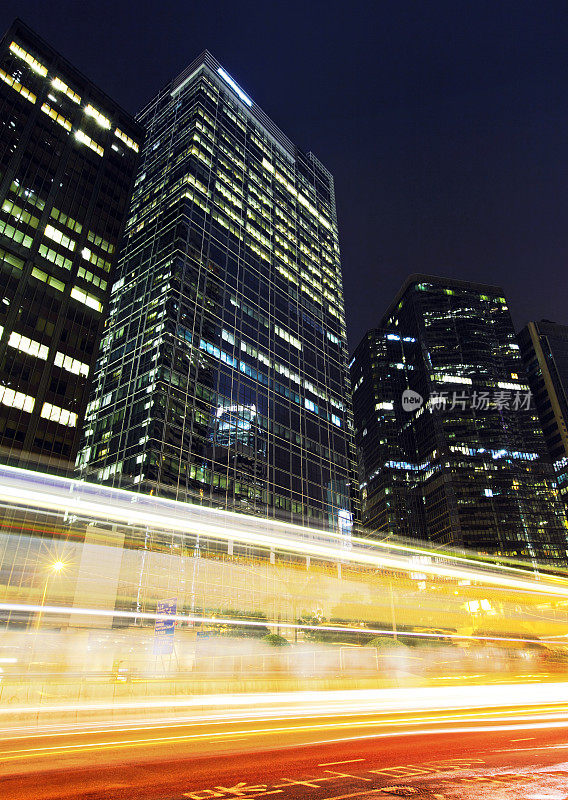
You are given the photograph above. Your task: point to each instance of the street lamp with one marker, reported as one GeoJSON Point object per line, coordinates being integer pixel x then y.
{"type": "Point", "coordinates": [55, 568]}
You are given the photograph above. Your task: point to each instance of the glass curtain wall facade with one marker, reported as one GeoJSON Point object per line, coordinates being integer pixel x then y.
{"type": "Point", "coordinates": [223, 371]}
{"type": "Point", "coordinates": [67, 160]}
{"type": "Point", "coordinates": [443, 394]}
{"type": "Point", "coordinates": [544, 347]}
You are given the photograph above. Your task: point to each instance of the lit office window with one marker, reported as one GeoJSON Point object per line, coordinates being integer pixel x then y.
{"type": "Point", "coordinates": [71, 364]}
{"type": "Point", "coordinates": [13, 399]}
{"type": "Point", "coordinates": [59, 118]}
{"type": "Point", "coordinates": [84, 139]}
{"type": "Point", "coordinates": [28, 346]}
{"type": "Point", "coordinates": [17, 86]}
{"type": "Point", "coordinates": [58, 84]}
{"type": "Point", "coordinates": [59, 237]}
{"type": "Point", "coordinates": [127, 140]}
{"type": "Point", "coordinates": [99, 118]}
{"type": "Point", "coordinates": [36, 65]}
{"type": "Point", "coordinates": [88, 299]}
{"type": "Point", "coordinates": [60, 415]}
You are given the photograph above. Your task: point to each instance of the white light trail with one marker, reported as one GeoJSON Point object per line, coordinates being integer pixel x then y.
{"type": "Point", "coordinates": [23, 487]}
{"type": "Point", "coordinates": [520, 698]}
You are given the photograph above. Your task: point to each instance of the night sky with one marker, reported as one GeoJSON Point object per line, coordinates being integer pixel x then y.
{"type": "Point", "coordinates": [445, 124]}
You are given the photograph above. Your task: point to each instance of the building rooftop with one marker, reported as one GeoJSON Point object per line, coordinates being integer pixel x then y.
{"type": "Point", "coordinates": [420, 277]}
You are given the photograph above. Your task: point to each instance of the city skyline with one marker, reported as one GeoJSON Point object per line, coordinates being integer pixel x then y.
{"type": "Point", "coordinates": [238, 423]}
{"type": "Point", "coordinates": [240, 555]}
{"type": "Point", "coordinates": [447, 150]}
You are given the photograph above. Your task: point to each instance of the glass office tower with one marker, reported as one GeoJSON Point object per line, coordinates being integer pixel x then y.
{"type": "Point", "coordinates": [223, 371]}
{"type": "Point", "coordinates": [67, 160]}
{"type": "Point", "coordinates": [544, 347]}
{"type": "Point", "coordinates": [452, 448]}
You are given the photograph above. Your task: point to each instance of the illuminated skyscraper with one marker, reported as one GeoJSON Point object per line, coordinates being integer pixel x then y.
{"type": "Point", "coordinates": [544, 347]}
{"type": "Point", "coordinates": [451, 448]}
{"type": "Point", "coordinates": [223, 372]}
{"type": "Point", "coordinates": [67, 159]}
{"type": "Point", "coordinates": [390, 491]}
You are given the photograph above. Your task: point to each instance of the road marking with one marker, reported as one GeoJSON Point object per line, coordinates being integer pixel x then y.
{"type": "Point", "coordinates": [353, 794]}
{"type": "Point", "coordinates": [346, 775]}
{"type": "Point", "coordinates": [292, 782]}
{"type": "Point", "coordinates": [349, 761]}
{"type": "Point", "coordinates": [526, 739]}
{"type": "Point", "coordinates": [238, 790]}
{"type": "Point", "coordinates": [407, 771]}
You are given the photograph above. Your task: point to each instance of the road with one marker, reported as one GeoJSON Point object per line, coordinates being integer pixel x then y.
{"type": "Point", "coordinates": [485, 754]}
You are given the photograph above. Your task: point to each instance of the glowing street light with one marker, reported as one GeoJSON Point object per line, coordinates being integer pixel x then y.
{"type": "Point", "coordinates": [55, 568]}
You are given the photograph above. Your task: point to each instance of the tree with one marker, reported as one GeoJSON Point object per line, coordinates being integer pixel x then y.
{"type": "Point", "coordinates": [275, 640]}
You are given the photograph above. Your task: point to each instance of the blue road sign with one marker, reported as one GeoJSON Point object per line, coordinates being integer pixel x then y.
{"type": "Point", "coordinates": [164, 629]}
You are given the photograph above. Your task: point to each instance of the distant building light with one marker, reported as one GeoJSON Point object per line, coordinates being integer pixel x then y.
{"type": "Point", "coordinates": [453, 379]}
{"type": "Point", "coordinates": [516, 386]}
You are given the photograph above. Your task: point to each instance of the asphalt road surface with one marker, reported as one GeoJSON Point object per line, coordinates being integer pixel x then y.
{"type": "Point", "coordinates": [493, 754]}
